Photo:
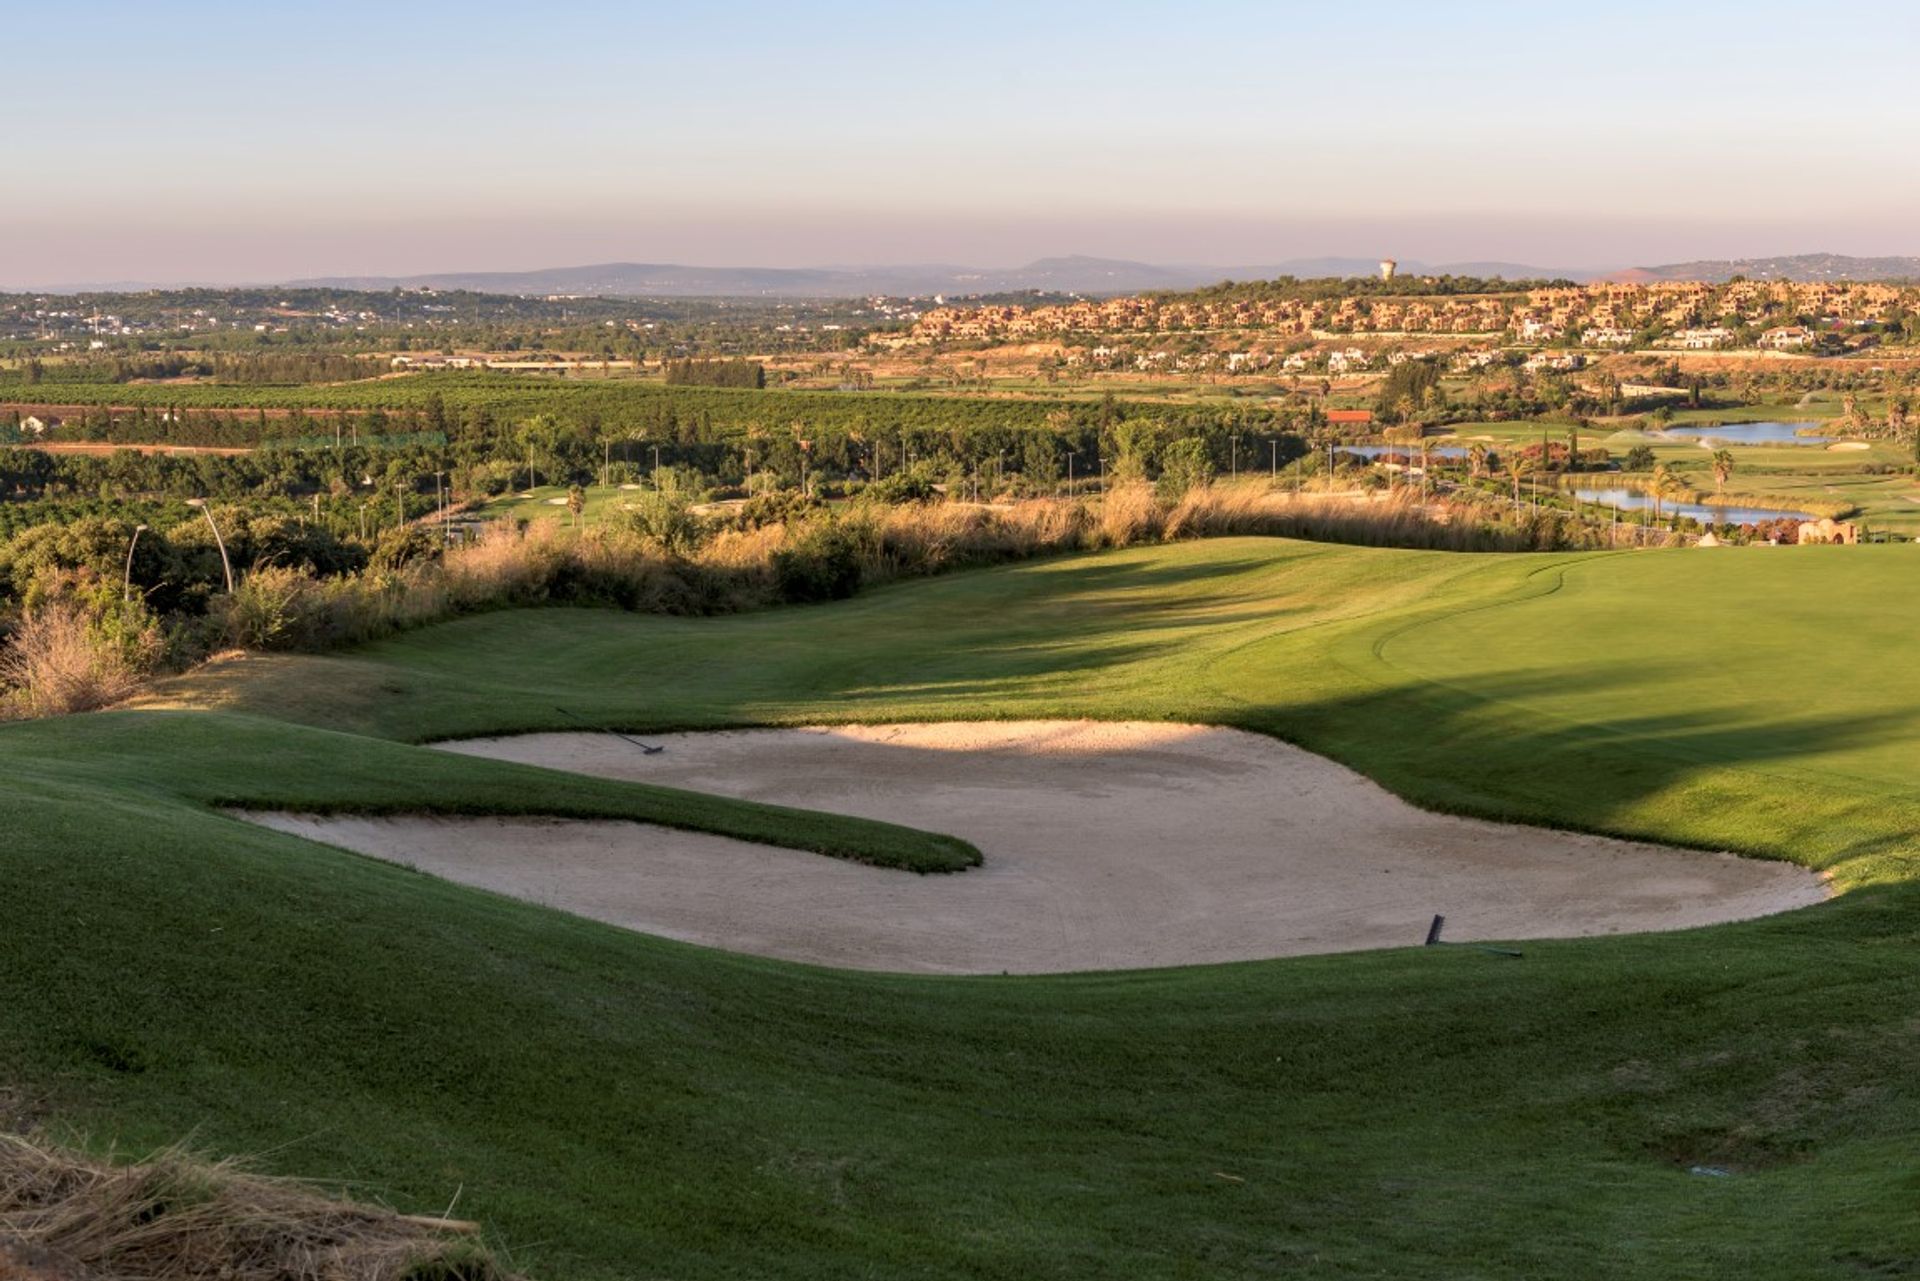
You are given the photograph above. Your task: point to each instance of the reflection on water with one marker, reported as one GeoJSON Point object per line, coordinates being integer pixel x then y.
{"type": "Point", "coordinates": [1752, 434]}
{"type": "Point", "coordinates": [1632, 500]}
{"type": "Point", "coordinates": [1403, 451]}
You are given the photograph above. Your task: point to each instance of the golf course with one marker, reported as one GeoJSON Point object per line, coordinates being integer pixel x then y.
{"type": "Point", "coordinates": [1733, 1100]}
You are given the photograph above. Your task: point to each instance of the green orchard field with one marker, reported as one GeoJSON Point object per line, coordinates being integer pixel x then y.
{"type": "Point", "coordinates": [615, 1105]}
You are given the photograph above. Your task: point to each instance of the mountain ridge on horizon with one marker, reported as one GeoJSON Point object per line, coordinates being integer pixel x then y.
{"type": "Point", "coordinates": [1078, 273]}
{"type": "Point", "coordinates": [1065, 274]}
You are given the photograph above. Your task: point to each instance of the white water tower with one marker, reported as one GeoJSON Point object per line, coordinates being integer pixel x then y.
{"type": "Point", "coordinates": [1387, 268]}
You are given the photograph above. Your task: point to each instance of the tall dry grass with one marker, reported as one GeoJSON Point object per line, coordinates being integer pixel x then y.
{"type": "Point", "coordinates": [56, 661]}
{"type": "Point", "coordinates": [175, 1218]}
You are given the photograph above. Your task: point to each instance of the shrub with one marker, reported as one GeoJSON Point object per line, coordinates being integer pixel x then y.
{"type": "Point", "coordinates": [1184, 465]}
{"type": "Point", "coordinates": [57, 661]}
{"type": "Point", "coordinates": [914, 486]}
{"type": "Point", "coordinates": [820, 562]}
{"type": "Point", "coordinates": [662, 519]}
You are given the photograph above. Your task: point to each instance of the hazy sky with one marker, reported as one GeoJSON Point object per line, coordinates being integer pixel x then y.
{"type": "Point", "coordinates": [250, 141]}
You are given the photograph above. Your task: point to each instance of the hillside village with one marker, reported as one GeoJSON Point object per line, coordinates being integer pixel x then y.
{"type": "Point", "coordinates": [1759, 317]}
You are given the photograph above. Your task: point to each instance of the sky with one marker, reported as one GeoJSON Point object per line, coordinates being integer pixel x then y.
{"type": "Point", "coordinates": [225, 142]}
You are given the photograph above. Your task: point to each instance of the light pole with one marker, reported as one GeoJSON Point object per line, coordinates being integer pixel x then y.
{"type": "Point", "coordinates": [126, 579]}
{"type": "Point", "coordinates": [225, 564]}
{"type": "Point", "coordinates": [1273, 458]}
{"type": "Point", "coordinates": [1103, 476]}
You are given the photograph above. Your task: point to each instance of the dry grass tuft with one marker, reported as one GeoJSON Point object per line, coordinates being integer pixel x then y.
{"type": "Point", "coordinates": [64, 1217]}
{"type": "Point", "coordinates": [56, 663]}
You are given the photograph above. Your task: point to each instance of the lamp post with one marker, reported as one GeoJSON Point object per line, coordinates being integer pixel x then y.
{"type": "Point", "coordinates": [126, 579]}
{"type": "Point", "coordinates": [225, 564]}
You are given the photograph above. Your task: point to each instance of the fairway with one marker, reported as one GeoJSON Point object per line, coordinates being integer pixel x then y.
{"type": "Point", "coordinates": [612, 1104]}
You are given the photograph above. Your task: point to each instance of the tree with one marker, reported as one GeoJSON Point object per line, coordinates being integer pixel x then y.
{"type": "Point", "coordinates": [1477, 454]}
{"type": "Point", "coordinates": [1184, 465]}
{"type": "Point", "coordinates": [1722, 468]}
{"type": "Point", "coordinates": [1666, 483]}
{"type": "Point", "coordinates": [576, 503]}
{"type": "Point", "coordinates": [1409, 386]}
{"type": "Point", "coordinates": [1519, 464]}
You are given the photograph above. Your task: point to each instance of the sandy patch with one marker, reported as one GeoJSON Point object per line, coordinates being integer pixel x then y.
{"type": "Point", "coordinates": [1107, 846]}
{"type": "Point", "coordinates": [1847, 446]}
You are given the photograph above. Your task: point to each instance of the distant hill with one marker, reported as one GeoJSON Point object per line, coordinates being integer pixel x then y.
{"type": "Point", "coordinates": [1066, 275]}
{"type": "Point", "coordinates": [662, 280]}
{"type": "Point", "coordinates": [1807, 267]}
{"type": "Point", "coordinates": [1072, 274]}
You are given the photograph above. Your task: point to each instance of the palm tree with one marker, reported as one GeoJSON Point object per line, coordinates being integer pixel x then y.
{"type": "Point", "coordinates": [1477, 455]}
{"type": "Point", "coordinates": [1518, 464]}
{"type": "Point", "coordinates": [1666, 482]}
{"type": "Point", "coordinates": [1722, 468]}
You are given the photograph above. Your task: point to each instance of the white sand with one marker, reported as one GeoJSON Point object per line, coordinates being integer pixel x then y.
{"type": "Point", "coordinates": [1107, 846]}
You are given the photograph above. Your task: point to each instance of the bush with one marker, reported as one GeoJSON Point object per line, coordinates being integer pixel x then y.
{"type": "Point", "coordinates": [1184, 465]}
{"type": "Point", "coordinates": [782, 507]}
{"type": "Point", "coordinates": [821, 562]}
{"type": "Point", "coordinates": [57, 661]}
{"type": "Point", "coordinates": [914, 486]}
{"type": "Point", "coordinates": [663, 520]}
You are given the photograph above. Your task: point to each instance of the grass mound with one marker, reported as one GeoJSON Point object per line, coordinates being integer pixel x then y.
{"type": "Point", "coordinates": [65, 1217]}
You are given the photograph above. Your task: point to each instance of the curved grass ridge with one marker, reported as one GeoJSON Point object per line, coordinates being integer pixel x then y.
{"type": "Point", "coordinates": [857, 840]}
{"type": "Point", "coordinates": [231, 762]}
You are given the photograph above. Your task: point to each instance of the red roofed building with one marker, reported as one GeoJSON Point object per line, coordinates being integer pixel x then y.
{"type": "Point", "coordinates": [1349, 416]}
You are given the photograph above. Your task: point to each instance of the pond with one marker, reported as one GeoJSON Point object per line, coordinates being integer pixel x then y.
{"type": "Point", "coordinates": [1380, 451]}
{"type": "Point", "coordinates": [1632, 500]}
{"type": "Point", "coordinates": [1768, 433]}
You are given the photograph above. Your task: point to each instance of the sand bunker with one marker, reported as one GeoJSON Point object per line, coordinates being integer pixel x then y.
{"type": "Point", "coordinates": [1107, 846]}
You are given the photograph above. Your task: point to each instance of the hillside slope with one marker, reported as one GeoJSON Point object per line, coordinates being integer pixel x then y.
{"type": "Point", "coordinates": [613, 1105]}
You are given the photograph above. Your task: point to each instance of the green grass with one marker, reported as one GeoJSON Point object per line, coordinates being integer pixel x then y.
{"type": "Point", "coordinates": [616, 1106]}
{"type": "Point", "coordinates": [1889, 502]}
{"type": "Point", "coordinates": [229, 761]}
{"type": "Point", "coordinates": [539, 504]}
